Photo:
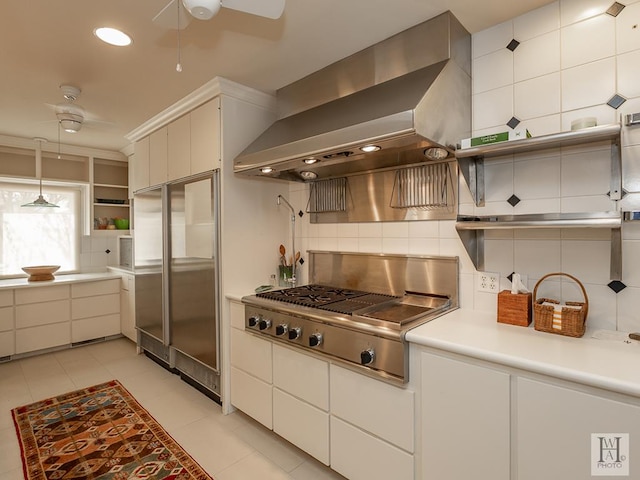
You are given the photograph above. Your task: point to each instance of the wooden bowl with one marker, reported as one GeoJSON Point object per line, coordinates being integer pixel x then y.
{"type": "Point", "coordinates": [40, 273]}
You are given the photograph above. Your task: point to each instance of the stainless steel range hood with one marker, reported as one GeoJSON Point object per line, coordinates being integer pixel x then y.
{"type": "Point", "coordinates": [405, 94]}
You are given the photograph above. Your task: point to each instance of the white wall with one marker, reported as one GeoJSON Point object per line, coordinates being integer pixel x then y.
{"type": "Point", "coordinates": [571, 60]}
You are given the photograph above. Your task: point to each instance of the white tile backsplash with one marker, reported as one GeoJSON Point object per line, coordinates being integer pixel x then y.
{"type": "Point", "coordinates": [629, 74]}
{"type": "Point", "coordinates": [572, 11]}
{"type": "Point", "coordinates": [585, 173]}
{"type": "Point", "coordinates": [537, 22]}
{"type": "Point", "coordinates": [536, 57]}
{"type": "Point", "coordinates": [574, 254]}
{"type": "Point", "coordinates": [604, 115]}
{"type": "Point", "coordinates": [537, 97]}
{"type": "Point", "coordinates": [492, 39]}
{"type": "Point", "coordinates": [492, 71]}
{"type": "Point", "coordinates": [537, 178]}
{"type": "Point", "coordinates": [627, 311]}
{"type": "Point", "coordinates": [588, 41]}
{"type": "Point", "coordinates": [627, 31]}
{"type": "Point", "coordinates": [493, 108]}
{"type": "Point", "coordinates": [588, 85]}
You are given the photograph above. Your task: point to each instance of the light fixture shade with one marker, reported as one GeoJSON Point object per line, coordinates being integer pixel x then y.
{"type": "Point", "coordinates": [202, 9]}
{"type": "Point", "coordinates": [70, 126]}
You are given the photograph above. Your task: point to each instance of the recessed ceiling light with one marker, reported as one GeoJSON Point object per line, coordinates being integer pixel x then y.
{"type": "Point", "coordinates": [370, 148]}
{"type": "Point", "coordinates": [308, 175]}
{"type": "Point", "coordinates": [310, 160]}
{"type": "Point", "coordinates": [266, 169]}
{"type": "Point", "coordinates": [113, 36]}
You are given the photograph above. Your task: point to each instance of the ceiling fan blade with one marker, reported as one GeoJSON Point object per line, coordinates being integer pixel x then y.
{"type": "Point", "coordinates": [168, 16]}
{"type": "Point", "coordinates": [263, 8]}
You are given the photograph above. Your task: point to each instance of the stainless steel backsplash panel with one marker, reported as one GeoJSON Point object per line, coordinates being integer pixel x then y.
{"type": "Point", "coordinates": [386, 273]}
{"type": "Point", "coordinates": [369, 198]}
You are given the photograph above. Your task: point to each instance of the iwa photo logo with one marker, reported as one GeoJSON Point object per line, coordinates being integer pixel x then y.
{"type": "Point", "coordinates": [610, 454]}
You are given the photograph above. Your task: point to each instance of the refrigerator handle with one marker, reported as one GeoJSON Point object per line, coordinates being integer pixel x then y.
{"type": "Point", "coordinates": [166, 260]}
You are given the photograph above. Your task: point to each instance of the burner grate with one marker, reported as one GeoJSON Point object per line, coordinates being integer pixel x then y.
{"type": "Point", "coordinates": [331, 299]}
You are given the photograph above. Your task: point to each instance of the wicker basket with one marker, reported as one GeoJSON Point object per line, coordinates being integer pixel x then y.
{"type": "Point", "coordinates": [570, 321]}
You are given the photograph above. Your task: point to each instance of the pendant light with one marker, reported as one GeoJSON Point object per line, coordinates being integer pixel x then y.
{"type": "Point", "coordinates": [40, 201]}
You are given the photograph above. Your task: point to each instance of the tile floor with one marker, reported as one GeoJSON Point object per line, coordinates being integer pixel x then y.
{"type": "Point", "coordinates": [229, 447]}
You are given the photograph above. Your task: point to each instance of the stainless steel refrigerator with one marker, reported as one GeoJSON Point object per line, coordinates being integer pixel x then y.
{"type": "Point", "coordinates": [177, 280]}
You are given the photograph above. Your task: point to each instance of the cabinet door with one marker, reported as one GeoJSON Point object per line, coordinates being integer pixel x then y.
{"type": "Point", "coordinates": [252, 396]}
{"type": "Point", "coordinates": [554, 428]}
{"type": "Point", "coordinates": [140, 165]}
{"type": "Point", "coordinates": [179, 145]}
{"type": "Point", "coordinates": [158, 157]}
{"type": "Point", "coordinates": [465, 420]}
{"type": "Point", "coordinates": [7, 345]}
{"type": "Point", "coordinates": [205, 137]}
{"type": "Point", "coordinates": [302, 376]}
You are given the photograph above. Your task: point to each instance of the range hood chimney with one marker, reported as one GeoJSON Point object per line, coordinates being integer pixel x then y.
{"type": "Point", "coordinates": [407, 97]}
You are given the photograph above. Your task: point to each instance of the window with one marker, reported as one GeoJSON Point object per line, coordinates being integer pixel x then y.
{"type": "Point", "coordinates": [39, 235]}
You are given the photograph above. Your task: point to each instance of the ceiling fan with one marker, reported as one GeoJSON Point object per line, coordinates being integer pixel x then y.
{"type": "Point", "coordinates": [72, 116]}
{"type": "Point", "coordinates": [170, 17]}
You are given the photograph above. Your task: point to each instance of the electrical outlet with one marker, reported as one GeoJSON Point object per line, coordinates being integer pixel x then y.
{"type": "Point", "coordinates": [488, 282]}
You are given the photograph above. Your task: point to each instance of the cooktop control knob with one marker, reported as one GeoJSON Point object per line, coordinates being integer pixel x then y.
{"type": "Point", "coordinates": [295, 333]}
{"type": "Point", "coordinates": [253, 321]}
{"type": "Point", "coordinates": [315, 339]}
{"type": "Point", "coordinates": [281, 329]}
{"type": "Point", "coordinates": [264, 324]}
{"type": "Point", "coordinates": [367, 356]}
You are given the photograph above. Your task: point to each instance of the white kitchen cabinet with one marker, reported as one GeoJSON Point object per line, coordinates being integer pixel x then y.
{"type": "Point", "coordinates": [377, 407]}
{"type": "Point", "coordinates": [158, 156]}
{"type": "Point", "coordinates": [360, 456]}
{"type": "Point", "coordinates": [179, 148]}
{"type": "Point", "coordinates": [95, 310]}
{"type": "Point", "coordinates": [301, 401]}
{"type": "Point", "coordinates": [42, 317]}
{"type": "Point", "coordinates": [251, 373]}
{"type": "Point", "coordinates": [555, 424]}
{"type": "Point", "coordinates": [128, 306]}
{"type": "Point", "coordinates": [7, 323]}
{"type": "Point", "coordinates": [205, 137]}
{"type": "Point", "coordinates": [140, 165]}
{"type": "Point", "coordinates": [465, 425]}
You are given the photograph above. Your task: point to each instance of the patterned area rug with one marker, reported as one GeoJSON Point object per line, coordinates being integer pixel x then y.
{"type": "Point", "coordinates": [100, 432]}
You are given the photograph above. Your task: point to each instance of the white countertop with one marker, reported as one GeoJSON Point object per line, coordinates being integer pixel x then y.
{"type": "Point", "coordinates": [59, 279]}
{"type": "Point", "coordinates": [609, 364]}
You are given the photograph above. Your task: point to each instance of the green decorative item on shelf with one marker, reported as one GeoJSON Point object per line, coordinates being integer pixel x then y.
{"type": "Point", "coordinates": [121, 223]}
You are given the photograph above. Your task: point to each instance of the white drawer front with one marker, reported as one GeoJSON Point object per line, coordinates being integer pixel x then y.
{"type": "Point", "coordinates": [251, 354]}
{"type": "Point", "coordinates": [41, 294]}
{"type": "Point", "coordinates": [359, 456]}
{"type": "Point", "coordinates": [375, 406]}
{"type": "Point", "coordinates": [43, 313]}
{"type": "Point", "coordinates": [95, 327]}
{"type": "Point", "coordinates": [237, 315]}
{"type": "Point", "coordinates": [95, 306]}
{"type": "Point", "coordinates": [302, 424]}
{"type": "Point", "coordinates": [89, 289]}
{"type": "Point", "coordinates": [252, 396]}
{"type": "Point", "coordinates": [6, 298]}
{"type": "Point", "coordinates": [46, 336]}
{"type": "Point", "coordinates": [302, 376]}
{"type": "Point", "coordinates": [6, 319]}
{"type": "Point", "coordinates": [7, 346]}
